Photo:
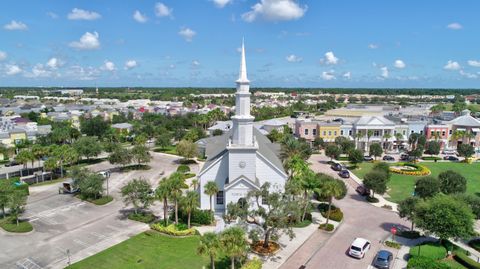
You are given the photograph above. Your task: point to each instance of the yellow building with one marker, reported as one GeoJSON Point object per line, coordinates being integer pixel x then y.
{"type": "Point", "coordinates": [328, 131]}
{"type": "Point", "coordinates": [17, 136]}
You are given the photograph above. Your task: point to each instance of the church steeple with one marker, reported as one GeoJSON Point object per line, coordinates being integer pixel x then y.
{"type": "Point", "coordinates": [242, 121]}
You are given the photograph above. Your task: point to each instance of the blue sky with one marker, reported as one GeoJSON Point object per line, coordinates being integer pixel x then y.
{"type": "Point", "coordinates": [315, 43]}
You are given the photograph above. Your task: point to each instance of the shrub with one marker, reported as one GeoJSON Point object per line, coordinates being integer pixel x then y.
{"type": "Point", "coordinates": [335, 214]}
{"type": "Point", "coordinates": [189, 175]}
{"type": "Point", "coordinates": [198, 217]}
{"type": "Point", "coordinates": [323, 207]}
{"type": "Point", "coordinates": [23, 187]}
{"type": "Point", "coordinates": [173, 229]}
{"type": "Point", "coordinates": [142, 217]}
{"type": "Point", "coordinates": [419, 170]}
{"type": "Point", "coordinates": [425, 263]}
{"type": "Point", "coordinates": [464, 260]}
{"type": "Point", "coordinates": [392, 244]}
{"type": "Point", "coordinates": [431, 158]}
{"type": "Point", "coordinates": [328, 228]}
{"type": "Point", "coordinates": [371, 199]}
{"type": "Point", "coordinates": [183, 168]}
{"type": "Point", "coordinates": [253, 264]}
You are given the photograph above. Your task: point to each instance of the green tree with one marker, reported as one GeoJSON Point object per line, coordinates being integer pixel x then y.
{"type": "Point", "coordinates": [137, 193]}
{"type": "Point", "coordinates": [234, 243]}
{"type": "Point", "coordinates": [406, 209]}
{"type": "Point", "coordinates": [459, 106]}
{"type": "Point", "coordinates": [87, 146]}
{"type": "Point", "coordinates": [163, 193]}
{"type": "Point", "coordinates": [16, 203]}
{"type": "Point", "coordinates": [121, 156]}
{"type": "Point", "coordinates": [376, 181]}
{"type": "Point", "coordinates": [383, 166]}
{"type": "Point", "coordinates": [187, 149]}
{"type": "Point", "coordinates": [177, 184]}
{"type": "Point", "coordinates": [331, 188]}
{"type": "Point", "coordinates": [290, 146]}
{"type": "Point", "coordinates": [333, 151]}
{"type": "Point", "coordinates": [24, 157]}
{"type": "Point", "coordinates": [427, 187]}
{"type": "Point", "coordinates": [190, 202]}
{"type": "Point", "coordinates": [6, 190]}
{"type": "Point", "coordinates": [91, 187]}
{"type": "Point", "coordinates": [376, 150]}
{"type": "Point", "coordinates": [309, 182]}
{"type": "Point", "coordinates": [94, 127]}
{"type": "Point", "coordinates": [318, 143]}
{"type": "Point", "coordinates": [432, 147]}
{"type": "Point", "coordinates": [355, 156]}
{"type": "Point", "coordinates": [465, 150]}
{"type": "Point", "coordinates": [211, 189]}
{"type": "Point", "coordinates": [38, 152]}
{"type": "Point", "coordinates": [65, 155]}
{"type": "Point", "coordinates": [445, 216]}
{"type": "Point", "coordinates": [210, 245]}
{"type": "Point", "coordinates": [140, 154]}
{"type": "Point", "coordinates": [452, 182]}
{"type": "Point", "coordinates": [164, 140]}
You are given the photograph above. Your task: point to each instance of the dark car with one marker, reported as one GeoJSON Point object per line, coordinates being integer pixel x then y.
{"type": "Point", "coordinates": [450, 158]}
{"type": "Point", "coordinates": [363, 191]}
{"type": "Point", "coordinates": [336, 167]}
{"type": "Point", "coordinates": [388, 158]}
{"type": "Point", "coordinates": [344, 174]}
{"type": "Point", "coordinates": [404, 157]}
{"type": "Point", "coordinates": [12, 163]}
{"type": "Point", "coordinates": [368, 158]}
{"type": "Point", "coordinates": [383, 259]}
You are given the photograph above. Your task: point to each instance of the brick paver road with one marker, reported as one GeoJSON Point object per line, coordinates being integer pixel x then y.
{"type": "Point", "coordinates": [361, 220]}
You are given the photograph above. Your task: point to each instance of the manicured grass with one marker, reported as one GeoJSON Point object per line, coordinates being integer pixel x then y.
{"type": "Point", "coordinates": [100, 201]}
{"type": "Point", "coordinates": [168, 150]}
{"type": "Point", "coordinates": [433, 250]}
{"type": "Point", "coordinates": [302, 224]}
{"type": "Point", "coordinates": [402, 186]}
{"type": "Point", "coordinates": [151, 250]}
{"type": "Point", "coordinates": [10, 225]}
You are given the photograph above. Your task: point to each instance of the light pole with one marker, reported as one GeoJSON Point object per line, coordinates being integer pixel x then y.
{"type": "Point", "coordinates": [68, 256]}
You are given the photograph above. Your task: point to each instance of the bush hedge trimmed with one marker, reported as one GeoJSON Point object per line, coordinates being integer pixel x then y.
{"type": "Point", "coordinates": [255, 263]}
{"type": "Point", "coordinates": [335, 214]}
{"type": "Point", "coordinates": [198, 217]}
{"type": "Point", "coordinates": [183, 168]}
{"type": "Point", "coordinates": [425, 263]}
{"type": "Point", "coordinates": [420, 170]}
{"type": "Point", "coordinates": [464, 260]}
{"type": "Point", "coordinates": [392, 244]}
{"type": "Point", "coordinates": [323, 207]}
{"type": "Point", "coordinates": [328, 228]}
{"type": "Point", "coordinates": [172, 229]}
{"type": "Point", "coordinates": [145, 217]}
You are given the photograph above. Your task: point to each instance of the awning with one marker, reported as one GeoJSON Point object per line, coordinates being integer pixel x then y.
{"type": "Point", "coordinates": [460, 129]}
{"type": "Point", "coordinates": [476, 130]}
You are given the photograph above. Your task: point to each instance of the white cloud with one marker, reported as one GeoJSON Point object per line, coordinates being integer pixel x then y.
{"type": "Point", "coordinates": [328, 75]}
{"type": "Point", "coordinates": [88, 41]}
{"type": "Point", "coordinates": [373, 46]}
{"type": "Point", "coordinates": [221, 3]}
{"type": "Point", "coordinates": [15, 25]}
{"type": "Point", "coordinates": [347, 75]}
{"type": "Point", "coordinates": [195, 64]}
{"type": "Point", "coordinates": [468, 75]}
{"type": "Point", "coordinates": [292, 58]}
{"type": "Point", "coordinates": [329, 58]}
{"type": "Point", "coordinates": [81, 14]}
{"type": "Point", "coordinates": [187, 34]}
{"type": "Point", "coordinates": [130, 64]}
{"type": "Point", "coordinates": [40, 70]}
{"type": "Point", "coordinates": [399, 64]}
{"type": "Point", "coordinates": [452, 65]}
{"type": "Point", "coordinates": [384, 72]}
{"type": "Point", "coordinates": [13, 69]}
{"type": "Point", "coordinates": [108, 66]}
{"type": "Point", "coordinates": [454, 26]}
{"type": "Point", "coordinates": [161, 10]}
{"type": "Point", "coordinates": [139, 17]}
{"type": "Point", "coordinates": [54, 63]}
{"type": "Point", "coordinates": [275, 10]}
{"type": "Point", "coordinates": [52, 15]}
{"type": "Point", "coordinates": [83, 73]}
{"type": "Point", "coordinates": [473, 63]}
{"type": "Point", "coordinates": [3, 55]}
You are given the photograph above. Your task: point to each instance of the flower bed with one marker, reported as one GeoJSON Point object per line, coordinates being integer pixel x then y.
{"type": "Point", "coordinates": [328, 228]}
{"type": "Point", "coordinates": [172, 229]}
{"type": "Point", "coordinates": [255, 263]}
{"type": "Point", "coordinates": [273, 247]}
{"type": "Point", "coordinates": [335, 214]}
{"type": "Point", "coordinates": [410, 169]}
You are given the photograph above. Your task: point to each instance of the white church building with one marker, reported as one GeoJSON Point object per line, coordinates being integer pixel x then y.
{"type": "Point", "coordinates": [242, 159]}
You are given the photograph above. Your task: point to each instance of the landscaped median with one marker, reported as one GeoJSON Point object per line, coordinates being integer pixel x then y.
{"type": "Point", "coordinates": [10, 225]}
{"type": "Point", "coordinates": [410, 169]}
{"type": "Point", "coordinates": [174, 229]}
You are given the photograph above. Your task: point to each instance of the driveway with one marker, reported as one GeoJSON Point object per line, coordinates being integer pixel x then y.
{"type": "Point", "coordinates": [63, 222]}
{"type": "Point", "coordinates": [361, 220]}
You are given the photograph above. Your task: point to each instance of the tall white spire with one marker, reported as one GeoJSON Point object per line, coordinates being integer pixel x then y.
{"type": "Point", "coordinates": [242, 76]}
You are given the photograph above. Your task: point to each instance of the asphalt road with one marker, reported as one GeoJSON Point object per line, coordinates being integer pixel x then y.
{"type": "Point", "coordinates": [360, 220]}
{"type": "Point", "coordinates": [62, 222]}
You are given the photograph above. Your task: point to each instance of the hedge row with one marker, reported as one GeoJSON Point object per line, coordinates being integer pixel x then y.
{"type": "Point", "coordinates": [172, 229]}
{"type": "Point", "coordinates": [335, 214]}
{"type": "Point", "coordinates": [464, 260]}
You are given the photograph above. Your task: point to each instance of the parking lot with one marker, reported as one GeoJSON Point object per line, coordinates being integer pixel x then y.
{"type": "Point", "coordinates": [66, 228]}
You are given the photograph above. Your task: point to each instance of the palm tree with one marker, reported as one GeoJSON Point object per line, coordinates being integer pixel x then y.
{"type": "Point", "coordinates": [331, 188]}
{"type": "Point", "coordinates": [210, 245]}
{"type": "Point", "coordinates": [163, 192]}
{"type": "Point", "coordinates": [190, 201]}
{"type": "Point", "coordinates": [24, 157]}
{"type": "Point", "coordinates": [398, 138]}
{"type": "Point", "coordinates": [386, 136]}
{"type": "Point", "coordinates": [309, 182]}
{"type": "Point", "coordinates": [233, 243]}
{"type": "Point", "coordinates": [194, 184]}
{"type": "Point", "coordinates": [292, 147]}
{"type": "Point", "coordinates": [211, 189]}
{"type": "Point", "coordinates": [369, 134]}
{"type": "Point", "coordinates": [177, 184]}
{"type": "Point", "coordinates": [38, 151]}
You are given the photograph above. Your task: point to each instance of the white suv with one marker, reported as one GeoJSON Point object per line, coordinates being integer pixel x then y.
{"type": "Point", "coordinates": [359, 247]}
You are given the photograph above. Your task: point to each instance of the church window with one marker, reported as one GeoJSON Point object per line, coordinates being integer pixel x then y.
{"type": "Point", "coordinates": [220, 198]}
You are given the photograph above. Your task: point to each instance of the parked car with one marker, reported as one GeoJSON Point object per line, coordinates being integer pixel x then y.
{"type": "Point", "coordinates": [344, 173]}
{"type": "Point", "coordinates": [362, 190]}
{"type": "Point", "coordinates": [359, 248]}
{"type": "Point", "coordinates": [404, 157]}
{"type": "Point", "coordinates": [337, 167]}
{"type": "Point", "coordinates": [449, 152]}
{"type": "Point", "coordinates": [368, 158]}
{"type": "Point", "coordinates": [388, 158]}
{"type": "Point", "coordinates": [450, 158]}
{"type": "Point", "coordinates": [12, 163]}
{"type": "Point", "coordinates": [383, 259]}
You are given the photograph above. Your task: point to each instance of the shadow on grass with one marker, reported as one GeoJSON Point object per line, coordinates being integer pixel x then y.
{"type": "Point", "coordinates": [135, 167]}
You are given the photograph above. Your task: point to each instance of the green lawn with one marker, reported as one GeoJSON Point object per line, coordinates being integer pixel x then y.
{"type": "Point", "coordinates": [169, 150]}
{"type": "Point", "coordinates": [151, 250]}
{"type": "Point", "coordinates": [402, 186]}
{"type": "Point", "coordinates": [10, 225]}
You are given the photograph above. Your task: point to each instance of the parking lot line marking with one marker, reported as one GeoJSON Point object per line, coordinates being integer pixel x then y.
{"type": "Point", "coordinates": [80, 242]}
{"type": "Point", "coordinates": [28, 264]}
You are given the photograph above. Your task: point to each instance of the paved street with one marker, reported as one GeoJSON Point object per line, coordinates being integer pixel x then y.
{"type": "Point", "coordinates": [63, 222]}
{"type": "Point", "coordinates": [361, 220]}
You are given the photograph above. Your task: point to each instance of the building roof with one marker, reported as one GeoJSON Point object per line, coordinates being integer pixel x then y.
{"type": "Point", "coordinates": [373, 120]}
{"type": "Point", "coordinates": [465, 120]}
{"type": "Point", "coordinates": [274, 122]}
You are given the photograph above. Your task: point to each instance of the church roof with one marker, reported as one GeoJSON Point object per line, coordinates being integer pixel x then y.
{"type": "Point", "coordinates": [216, 147]}
{"type": "Point", "coordinates": [465, 120]}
